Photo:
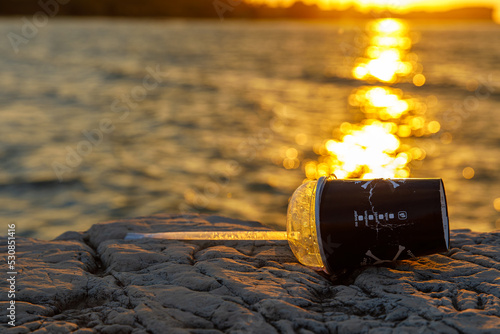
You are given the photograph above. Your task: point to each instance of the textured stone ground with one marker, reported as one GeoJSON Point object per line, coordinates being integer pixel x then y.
{"type": "Point", "coordinates": [97, 282]}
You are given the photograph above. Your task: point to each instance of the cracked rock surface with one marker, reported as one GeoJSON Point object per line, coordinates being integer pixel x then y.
{"type": "Point", "coordinates": [97, 282]}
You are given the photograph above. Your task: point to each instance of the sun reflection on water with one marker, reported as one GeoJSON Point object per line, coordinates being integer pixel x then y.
{"type": "Point", "coordinates": [378, 145]}
{"type": "Point", "coordinates": [387, 58]}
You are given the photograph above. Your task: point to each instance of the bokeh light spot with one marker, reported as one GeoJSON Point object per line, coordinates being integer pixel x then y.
{"type": "Point", "coordinates": [468, 173]}
{"type": "Point", "coordinates": [496, 204]}
{"type": "Point", "coordinates": [291, 153]}
{"type": "Point", "coordinates": [446, 138]}
{"type": "Point", "coordinates": [301, 139]}
{"type": "Point", "coordinates": [419, 80]}
{"type": "Point", "coordinates": [433, 126]}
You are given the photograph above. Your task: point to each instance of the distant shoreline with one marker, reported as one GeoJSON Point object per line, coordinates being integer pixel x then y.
{"type": "Point", "coordinates": [344, 20]}
{"type": "Point", "coordinates": [223, 9]}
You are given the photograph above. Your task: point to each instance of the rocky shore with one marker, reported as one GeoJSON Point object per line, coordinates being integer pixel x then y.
{"type": "Point", "coordinates": [94, 281]}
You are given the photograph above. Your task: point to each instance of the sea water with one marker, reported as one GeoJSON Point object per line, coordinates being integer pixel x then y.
{"type": "Point", "coordinates": [103, 119]}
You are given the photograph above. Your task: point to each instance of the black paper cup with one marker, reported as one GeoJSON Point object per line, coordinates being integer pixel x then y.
{"type": "Point", "coordinates": [363, 222]}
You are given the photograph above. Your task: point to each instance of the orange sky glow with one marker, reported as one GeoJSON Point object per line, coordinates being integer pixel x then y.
{"type": "Point", "coordinates": [400, 6]}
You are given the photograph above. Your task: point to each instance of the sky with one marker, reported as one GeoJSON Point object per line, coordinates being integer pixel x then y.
{"type": "Point", "coordinates": [396, 5]}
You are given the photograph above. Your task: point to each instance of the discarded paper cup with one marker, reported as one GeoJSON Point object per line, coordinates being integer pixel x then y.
{"type": "Point", "coordinates": [347, 223]}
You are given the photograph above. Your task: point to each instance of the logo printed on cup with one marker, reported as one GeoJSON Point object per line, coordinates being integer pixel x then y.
{"type": "Point", "coordinates": [402, 215]}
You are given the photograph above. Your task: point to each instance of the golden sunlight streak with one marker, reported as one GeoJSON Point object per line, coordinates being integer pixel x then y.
{"type": "Point", "coordinates": [376, 146]}
{"type": "Point", "coordinates": [380, 102]}
{"type": "Point", "coordinates": [386, 58]}
{"type": "Point", "coordinates": [367, 150]}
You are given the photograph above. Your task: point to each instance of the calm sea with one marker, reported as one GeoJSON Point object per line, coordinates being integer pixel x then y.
{"type": "Point", "coordinates": [102, 119]}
